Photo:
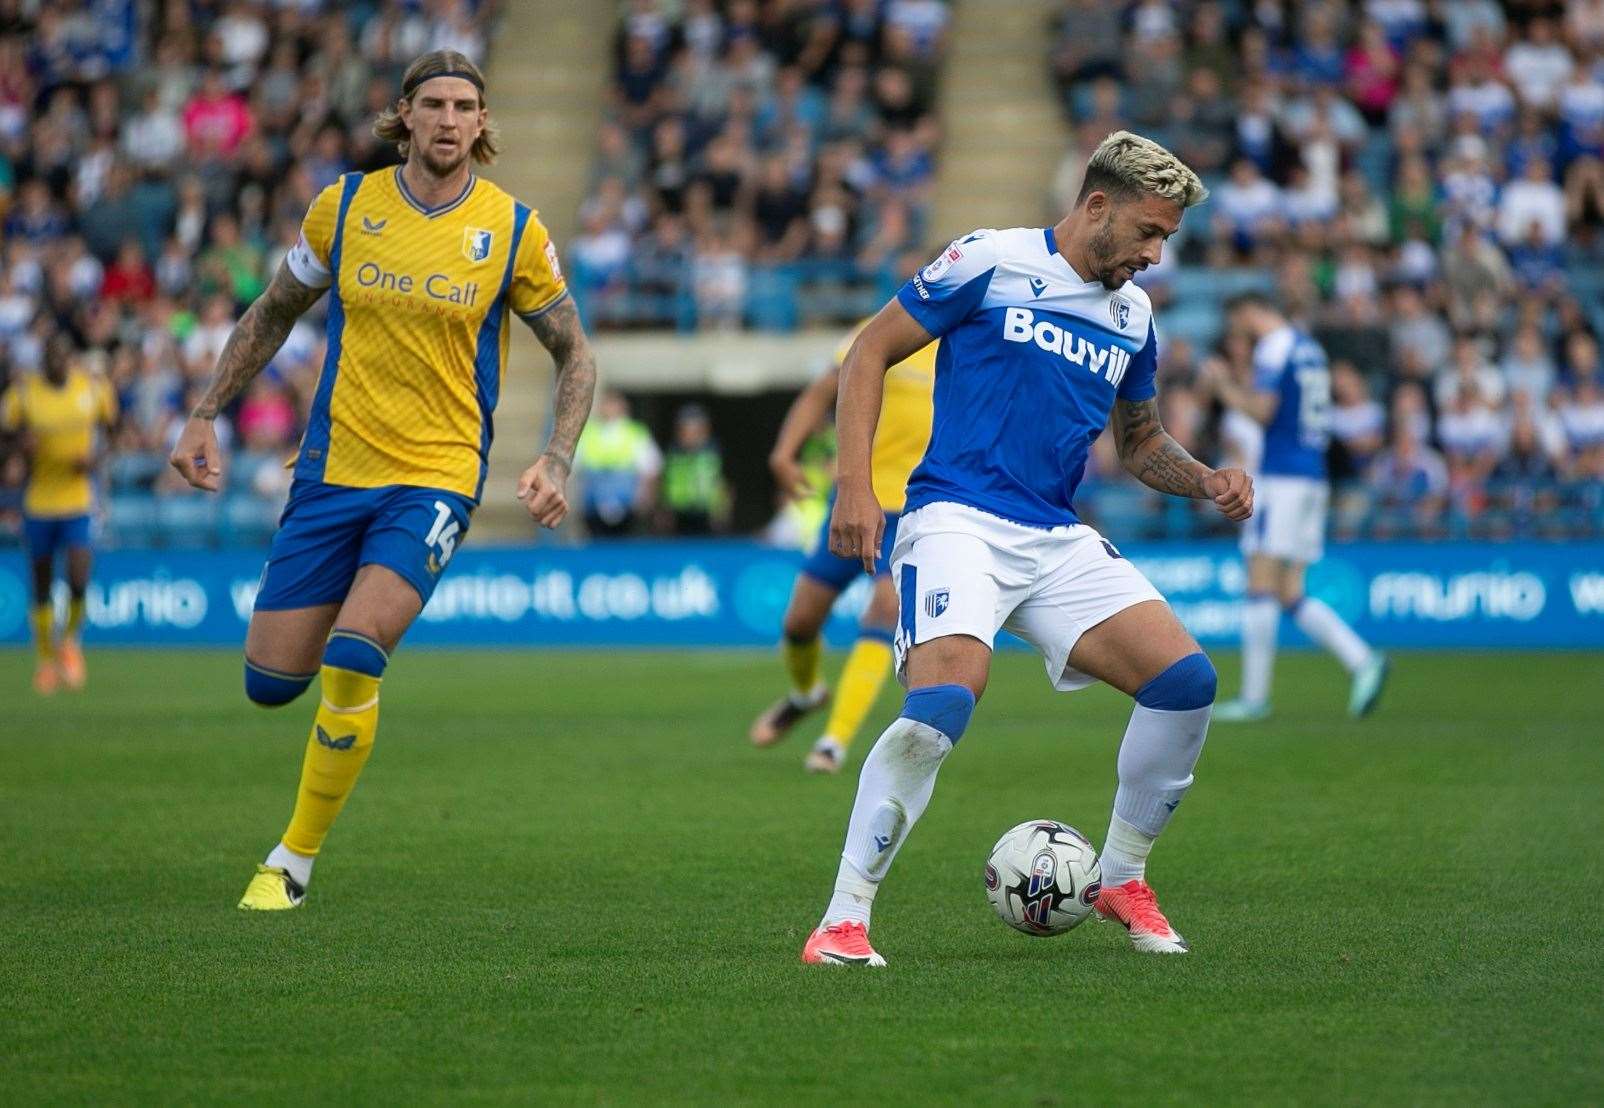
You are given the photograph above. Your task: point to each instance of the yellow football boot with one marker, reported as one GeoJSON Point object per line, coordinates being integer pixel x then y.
{"type": "Point", "coordinates": [272, 890]}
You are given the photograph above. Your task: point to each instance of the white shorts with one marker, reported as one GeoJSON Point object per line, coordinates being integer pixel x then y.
{"type": "Point", "coordinates": [961, 571]}
{"type": "Point", "coordinates": [1289, 519]}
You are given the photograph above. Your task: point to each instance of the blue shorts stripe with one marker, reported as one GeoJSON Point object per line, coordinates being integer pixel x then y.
{"type": "Point", "coordinates": [906, 600]}
{"type": "Point", "coordinates": [314, 454]}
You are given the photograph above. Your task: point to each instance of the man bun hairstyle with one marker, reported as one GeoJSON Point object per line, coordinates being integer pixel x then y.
{"type": "Point", "coordinates": [1127, 166]}
{"type": "Point", "coordinates": [438, 63]}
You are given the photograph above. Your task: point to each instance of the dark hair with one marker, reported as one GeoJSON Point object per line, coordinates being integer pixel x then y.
{"type": "Point", "coordinates": [1098, 179]}
{"type": "Point", "coordinates": [1252, 299]}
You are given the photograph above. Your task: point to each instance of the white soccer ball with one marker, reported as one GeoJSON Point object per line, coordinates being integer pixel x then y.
{"type": "Point", "coordinates": [1042, 877]}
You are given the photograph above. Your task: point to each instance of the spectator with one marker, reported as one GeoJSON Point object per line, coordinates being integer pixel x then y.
{"type": "Point", "coordinates": [695, 496]}
{"type": "Point", "coordinates": [1538, 64]}
{"type": "Point", "coordinates": [1473, 267]}
{"type": "Point", "coordinates": [1372, 71]}
{"type": "Point", "coordinates": [719, 277]}
{"type": "Point", "coordinates": [1473, 440]}
{"type": "Point", "coordinates": [1411, 480]}
{"type": "Point", "coordinates": [1535, 198]}
{"type": "Point", "coordinates": [1420, 340]}
{"type": "Point", "coordinates": [130, 277]}
{"type": "Point", "coordinates": [1358, 422]}
{"type": "Point", "coordinates": [1580, 408]}
{"type": "Point", "coordinates": [778, 211]}
{"type": "Point", "coordinates": [1527, 368]}
{"type": "Point", "coordinates": [216, 120]}
{"type": "Point", "coordinates": [618, 464]}
{"type": "Point", "coordinates": [1468, 373]}
{"type": "Point", "coordinates": [1247, 207]}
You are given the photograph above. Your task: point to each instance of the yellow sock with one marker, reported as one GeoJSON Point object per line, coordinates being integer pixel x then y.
{"type": "Point", "coordinates": [75, 616]}
{"type": "Point", "coordinates": [44, 629]}
{"type": "Point", "coordinates": [860, 683]}
{"type": "Point", "coordinates": [802, 663]}
{"type": "Point", "coordinates": [341, 740]}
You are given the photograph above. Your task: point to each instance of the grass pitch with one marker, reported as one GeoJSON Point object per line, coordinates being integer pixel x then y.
{"type": "Point", "coordinates": [566, 877]}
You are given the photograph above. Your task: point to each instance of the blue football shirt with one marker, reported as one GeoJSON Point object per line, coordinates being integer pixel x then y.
{"type": "Point", "coordinates": [1292, 365]}
{"type": "Point", "coordinates": [1031, 359]}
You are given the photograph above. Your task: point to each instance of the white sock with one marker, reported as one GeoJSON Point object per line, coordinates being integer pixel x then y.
{"type": "Point", "coordinates": [895, 785]}
{"type": "Point", "coordinates": [811, 698]}
{"type": "Point", "coordinates": [1156, 758]}
{"type": "Point", "coordinates": [1316, 619]}
{"type": "Point", "coordinates": [1124, 856]}
{"type": "Point", "coordinates": [1261, 617]}
{"type": "Point", "coordinates": [298, 866]}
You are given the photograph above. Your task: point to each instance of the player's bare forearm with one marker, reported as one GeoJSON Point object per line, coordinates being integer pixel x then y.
{"type": "Point", "coordinates": [560, 332]}
{"type": "Point", "coordinates": [857, 412]}
{"type": "Point", "coordinates": [255, 339]}
{"type": "Point", "coordinates": [1151, 456]}
{"type": "Point", "coordinates": [806, 413]}
{"type": "Point", "coordinates": [1257, 406]}
{"type": "Point", "coordinates": [891, 336]}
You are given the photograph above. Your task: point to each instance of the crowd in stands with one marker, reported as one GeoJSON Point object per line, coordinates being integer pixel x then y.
{"type": "Point", "coordinates": [1422, 183]}
{"type": "Point", "coordinates": [156, 159]}
{"type": "Point", "coordinates": [763, 162]}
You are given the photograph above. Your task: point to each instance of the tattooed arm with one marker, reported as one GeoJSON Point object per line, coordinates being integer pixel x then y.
{"type": "Point", "coordinates": [252, 344]}
{"type": "Point", "coordinates": [1159, 462]}
{"type": "Point", "coordinates": [543, 485]}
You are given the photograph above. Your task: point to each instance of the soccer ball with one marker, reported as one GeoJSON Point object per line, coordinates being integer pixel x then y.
{"type": "Point", "coordinates": [1042, 877]}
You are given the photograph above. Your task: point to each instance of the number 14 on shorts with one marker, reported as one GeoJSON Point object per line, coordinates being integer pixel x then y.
{"type": "Point", "coordinates": [442, 537]}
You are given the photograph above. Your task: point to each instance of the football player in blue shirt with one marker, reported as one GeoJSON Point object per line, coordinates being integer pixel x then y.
{"type": "Point", "coordinates": [1043, 338]}
{"type": "Point", "coordinates": [1291, 398]}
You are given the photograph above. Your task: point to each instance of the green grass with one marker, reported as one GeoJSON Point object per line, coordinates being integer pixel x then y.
{"type": "Point", "coordinates": [566, 877]}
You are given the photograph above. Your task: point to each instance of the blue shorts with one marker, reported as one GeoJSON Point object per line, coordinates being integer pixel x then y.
{"type": "Point", "coordinates": [44, 535]}
{"type": "Point", "coordinates": [328, 531]}
{"type": "Point", "coordinates": [838, 573]}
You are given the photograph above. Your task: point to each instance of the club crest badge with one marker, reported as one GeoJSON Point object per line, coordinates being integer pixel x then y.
{"type": "Point", "coordinates": [476, 243]}
{"type": "Point", "coordinates": [1119, 310]}
{"type": "Point", "coordinates": [936, 602]}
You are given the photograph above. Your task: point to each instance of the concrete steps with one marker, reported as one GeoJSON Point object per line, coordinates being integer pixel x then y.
{"type": "Point", "coordinates": [549, 65]}
{"type": "Point", "coordinates": [1003, 132]}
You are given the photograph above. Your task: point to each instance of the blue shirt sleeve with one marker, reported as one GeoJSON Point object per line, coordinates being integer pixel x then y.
{"type": "Point", "coordinates": [944, 293]}
{"type": "Point", "coordinates": [1139, 379]}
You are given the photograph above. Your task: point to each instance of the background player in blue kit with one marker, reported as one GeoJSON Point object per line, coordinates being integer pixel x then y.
{"type": "Point", "coordinates": [1042, 339]}
{"type": "Point", "coordinates": [1291, 399]}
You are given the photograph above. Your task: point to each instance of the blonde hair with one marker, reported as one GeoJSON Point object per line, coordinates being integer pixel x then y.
{"type": "Point", "coordinates": [389, 126]}
{"type": "Point", "coordinates": [1130, 165]}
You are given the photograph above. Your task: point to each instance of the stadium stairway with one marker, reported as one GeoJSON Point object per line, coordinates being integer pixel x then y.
{"type": "Point", "coordinates": [1004, 134]}
{"type": "Point", "coordinates": [548, 71]}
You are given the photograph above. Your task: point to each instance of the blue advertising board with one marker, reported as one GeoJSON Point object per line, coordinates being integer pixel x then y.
{"type": "Point", "coordinates": [731, 593]}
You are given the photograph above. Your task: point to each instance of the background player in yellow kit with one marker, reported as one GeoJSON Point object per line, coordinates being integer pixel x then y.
{"type": "Point", "coordinates": [424, 264]}
{"type": "Point", "coordinates": [55, 416]}
{"type": "Point", "coordinates": [899, 443]}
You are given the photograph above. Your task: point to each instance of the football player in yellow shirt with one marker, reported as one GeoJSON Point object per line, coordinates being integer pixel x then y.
{"type": "Point", "coordinates": [56, 416]}
{"type": "Point", "coordinates": [424, 264]}
{"type": "Point", "coordinates": [900, 440]}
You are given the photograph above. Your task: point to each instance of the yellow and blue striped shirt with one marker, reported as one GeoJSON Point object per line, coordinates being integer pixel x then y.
{"type": "Point", "coordinates": [417, 327]}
